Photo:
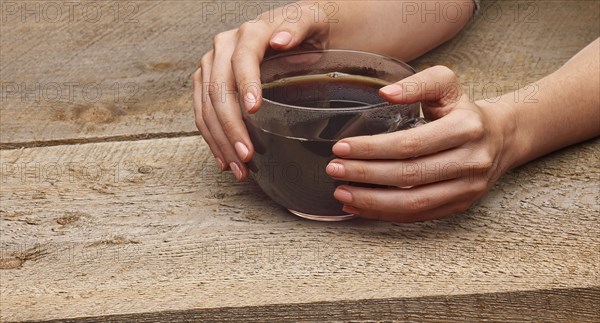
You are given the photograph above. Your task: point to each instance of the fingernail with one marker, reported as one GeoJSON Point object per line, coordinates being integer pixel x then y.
{"type": "Point", "coordinates": [335, 169]}
{"type": "Point", "coordinates": [241, 150]}
{"type": "Point", "coordinates": [341, 149]}
{"type": "Point", "coordinates": [349, 209]}
{"type": "Point", "coordinates": [342, 195]}
{"type": "Point", "coordinates": [392, 89]}
{"type": "Point", "coordinates": [220, 164]}
{"type": "Point", "coordinates": [236, 171]}
{"type": "Point", "coordinates": [249, 101]}
{"type": "Point", "coordinates": [282, 38]}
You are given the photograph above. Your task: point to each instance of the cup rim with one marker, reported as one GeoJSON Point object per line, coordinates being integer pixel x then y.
{"type": "Point", "coordinates": [316, 51]}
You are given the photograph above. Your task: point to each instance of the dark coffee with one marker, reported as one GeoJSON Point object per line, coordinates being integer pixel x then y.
{"type": "Point", "coordinates": [333, 90]}
{"type": "Point", "coordinates": [289, 163]}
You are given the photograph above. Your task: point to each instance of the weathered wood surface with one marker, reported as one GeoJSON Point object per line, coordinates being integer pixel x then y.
{"type": "Point", "coordinates": [148, 226]}
{"type": "Point", "coordinates": [169, 233]}
{"type": "Point", "coordinates": [574, 305]}
{"type": "Point", "coordinates": [149, 51]}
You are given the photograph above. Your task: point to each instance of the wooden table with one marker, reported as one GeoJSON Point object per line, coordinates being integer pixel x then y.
{"type": "Point", "coordinates": [112, 207]}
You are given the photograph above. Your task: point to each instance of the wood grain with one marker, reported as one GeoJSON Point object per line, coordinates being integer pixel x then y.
{"type": "Point", "coordinates": [117, 76]}
{"type": "Point", "coordinates": [512, 43]}
{"type": "Point", "coordinates": [115, 211]}
{"type": "Point", "coordinates": [574, 305]}
{"type": "Point", "coordinates": [149, 226]}
{"type": "Point", "coordinates": [147, 59]}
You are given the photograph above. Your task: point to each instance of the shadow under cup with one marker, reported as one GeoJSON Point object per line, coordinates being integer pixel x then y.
{"type": "Point", "coordinates": [310, 101]}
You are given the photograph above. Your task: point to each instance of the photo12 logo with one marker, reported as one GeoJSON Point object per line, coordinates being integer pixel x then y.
{"type": "Point", "coordinates": [237, 11]}
{"type": "Point", "coordinates": [71, 92]}
{"type": "Point", "coordinates": [69, 11]}
{"type": "Point", "coordinates": [453, 11]}
{"type": "Point", "coordinates": [71, 172]}
{"type": "Point", "coordinates": [438, 11]}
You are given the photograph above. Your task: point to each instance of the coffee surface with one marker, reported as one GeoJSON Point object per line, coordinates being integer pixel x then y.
{"type": "Point", "coordinates": [322, 91]}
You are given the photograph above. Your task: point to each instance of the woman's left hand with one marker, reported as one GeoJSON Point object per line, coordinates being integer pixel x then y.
{"type": "Point", "coordinates": [434, 170]}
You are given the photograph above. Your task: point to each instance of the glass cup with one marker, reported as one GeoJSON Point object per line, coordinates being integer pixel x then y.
{"type": "Point", "coordinates": [311, 100]}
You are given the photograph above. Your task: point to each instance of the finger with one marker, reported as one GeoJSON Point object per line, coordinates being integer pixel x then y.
{"type": "Point", "coordinates": [437, 88]}
{"type": "Point", "coordinates": [458, 127]}
{"type": "Point", "coordinates": [436, 85]}
{"type": "Point", "coordinates": [225, 100]}
{"type": "Point", "coordinates": [413, 200]}
{"type": "Point", "coordinates": [214, 126]}
{"type": "Point", "coordinates": [253, 42]}
{"type": "Point", "coordinates": [439, 212]}
{"type": "Point", "coordinates": [255, 38]}
{"type": "Point", "coordinates": [197, 99]}
{"type": "Point", "coordinates": [401, 173]}
{"type": "Point", "coordinates": [297, 28]}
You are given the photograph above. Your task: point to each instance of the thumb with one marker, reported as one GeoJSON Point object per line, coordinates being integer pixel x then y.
{"type": "Point", "coordinates": [298, 28]}
{"type": "Point", "coordinates": [436, 86]}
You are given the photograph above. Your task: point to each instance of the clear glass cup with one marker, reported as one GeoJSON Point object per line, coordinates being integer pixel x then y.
{"type": "Point", "coordinates": [296, 126]}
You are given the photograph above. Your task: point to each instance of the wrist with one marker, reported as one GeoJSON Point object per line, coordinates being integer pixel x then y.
{"type": "Point", "coordinates": [503, 123]}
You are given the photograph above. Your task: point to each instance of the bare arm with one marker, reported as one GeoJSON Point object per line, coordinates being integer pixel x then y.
{"type": "Point", "coordinates": [402, 29]}
{"type": "Point", "coordinates": [478, 141]}
{"type": "Point", "coordinates": [565, 110]}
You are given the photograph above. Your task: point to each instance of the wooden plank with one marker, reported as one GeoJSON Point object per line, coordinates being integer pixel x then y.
{"type": "Point", "coordinates": [149, 226]}
{"type": "Point", "coordinates": [571, 305]}
{"type": "Point", "coordinates": [149, 56]}
{"type": "Point", "coordinates": [513, 43]}
{"type": "Point", "coordinates": [108, 76]}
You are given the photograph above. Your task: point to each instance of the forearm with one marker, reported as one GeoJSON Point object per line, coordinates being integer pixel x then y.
{"type": "Point", "coordinates": [401, 29]}
{"type": "Point", "coordinates": [565, 109]}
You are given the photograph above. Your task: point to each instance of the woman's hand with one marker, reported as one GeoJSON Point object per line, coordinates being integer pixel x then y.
{"type": "Point", "coordinates": [434, 170]}
{"type": "Point", "coordinates": [232, 67]}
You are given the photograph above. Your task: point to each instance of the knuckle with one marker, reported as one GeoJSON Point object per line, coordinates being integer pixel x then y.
{"type": "Point", "coordinates": [264, 16]}
{"type": "Point", "coordinates": [213, 94]}
{"type": "Point", "coordinates": [249, 26]}
{"type": "Point", "coordinates": [252, 27]}
{"type": "Point", "coordinates": [409, 145]}
{"type": "Point", "coordinates": [417, 203]}
{"type": "Point", "coordinates": [478, 187]}
{"type": "Point", "coordinates": [443, 70]}
{"type": "Point", "coordinates": [367, 149]}
{"type": "Point", "coordinates": [214, 91]}
{"type": "Point", "coordinates": [239, 53]}
{"type": "Point", "coordinates": [406, 175]}
{"type": "Point", "coordinates": [224, 145]}
{"type": "Point", "coordinates": [366, 201]}
{"type": "Point", "coordinates": [205, 61]}
{"type": "Point", "coordinates": [475, 188]}
{"type": "Point", "coordinates": [475, 128]}
{"type": "Point", "coordinates": [360, 172]}
{"type": "Point", "coordinates": [485, 160]}
{"type": "Point", "coordinates": [229, 126]}
{"type": "Point", "coordinates": [206, 111]}
{"type": "Point", "coordinates": [219, 39]}
{"type": "Point", "coordinates": [197, 76]}
{"type": "Point", "coordinates": [245, 26]}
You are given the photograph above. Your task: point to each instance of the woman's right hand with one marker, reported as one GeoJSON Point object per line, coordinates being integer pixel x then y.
{"type": "Point", "coordinates": [232, 67]}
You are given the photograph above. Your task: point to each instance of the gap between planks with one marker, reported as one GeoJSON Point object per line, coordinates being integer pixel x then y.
{"type": "Point", "coordinates": [93, 140]}
{"type": "Point", "coordinates": [572, 305]}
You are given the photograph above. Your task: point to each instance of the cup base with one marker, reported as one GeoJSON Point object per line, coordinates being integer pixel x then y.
{"type": "Point", "coordinates": [324, 218]}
